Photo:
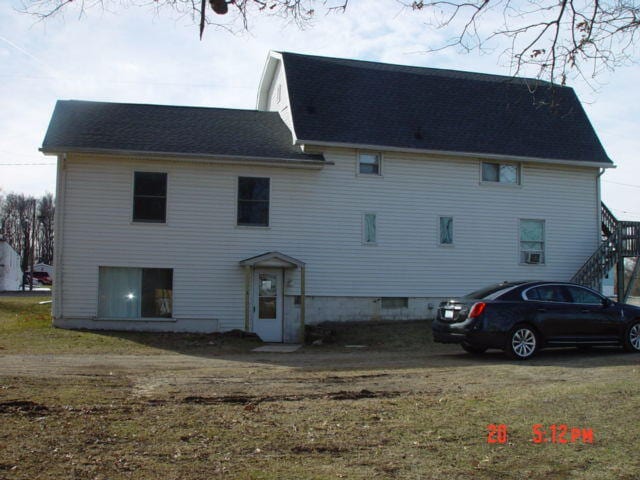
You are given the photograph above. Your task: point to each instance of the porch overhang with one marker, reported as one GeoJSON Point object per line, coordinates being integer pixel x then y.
{"type": "Point", "coordinates": [272, 260]}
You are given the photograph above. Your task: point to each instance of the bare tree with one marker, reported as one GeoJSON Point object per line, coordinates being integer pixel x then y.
{"type": "Point", "coordinates": [46, 210]}
{"type": "Point", "coordinates": [556, 37]}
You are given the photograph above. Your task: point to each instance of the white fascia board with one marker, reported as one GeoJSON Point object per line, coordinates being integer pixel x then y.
{"type": "Point", "coordinates": [309, 145]}
{"type": "Point", "coordinates": [266, 79]}
{"type": "Point", "coordinates": [196, 158]}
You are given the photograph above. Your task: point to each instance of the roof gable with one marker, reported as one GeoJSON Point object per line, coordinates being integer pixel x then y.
{"type": "Point", "coordinates": [365, 103]}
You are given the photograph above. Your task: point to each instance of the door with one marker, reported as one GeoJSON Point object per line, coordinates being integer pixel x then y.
{"type": "Point", "coordinates": [601, 318]}
{"type": "Point", "coordinates": [267, 304]}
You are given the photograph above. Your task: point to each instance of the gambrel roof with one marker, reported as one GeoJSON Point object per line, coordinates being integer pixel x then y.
{"type": "Point", "coordinates": [358, 103]}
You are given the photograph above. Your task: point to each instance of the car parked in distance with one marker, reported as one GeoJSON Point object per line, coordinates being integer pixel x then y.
{"type": "Point", "coordinates": [523, 317]}
{"type": "Point", "coordinates": [39, 278]}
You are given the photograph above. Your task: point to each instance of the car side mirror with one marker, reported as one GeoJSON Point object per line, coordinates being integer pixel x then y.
{"type": "Point", "coordinates": [606, 302]}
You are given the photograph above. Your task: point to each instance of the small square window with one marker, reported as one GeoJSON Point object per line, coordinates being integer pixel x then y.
{"type": "Point", "coordinates": [369, 232]}
{"type": "Point", "coordinates": [149, 197]}
{"type": "Point", "coordinates": [507, 173]}
{"type": "Point", "coordinates": [446, 230]}
{"type": "Point", "coordinates": [369, 163]}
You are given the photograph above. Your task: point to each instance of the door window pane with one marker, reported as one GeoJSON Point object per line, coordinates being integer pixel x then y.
{"type": "Point", "coordinates": [446, 230]}
{"type": "Point", "coordinates": [253, 201]}
{"type": "Point", "coordinates": [150, 197]}
{"type": "Point", "coordinates": [267, 295]}
{"type": "Point", "coordinates": [157, 292]}
{"type": "Point", "coordinates": [548, 293]}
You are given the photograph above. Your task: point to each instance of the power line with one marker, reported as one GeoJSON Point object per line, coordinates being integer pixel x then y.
{"type": "Point", "coordinates": [23, 164]}
{"type": "Point", "coordinates": [624, 184]}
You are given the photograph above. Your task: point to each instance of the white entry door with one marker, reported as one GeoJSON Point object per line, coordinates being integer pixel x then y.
{"type": "Point", "coordinates": [267, 304]}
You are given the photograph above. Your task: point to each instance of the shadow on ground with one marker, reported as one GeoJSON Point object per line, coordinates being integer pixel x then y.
{"type": "Point", "coordinates": [376, 345]}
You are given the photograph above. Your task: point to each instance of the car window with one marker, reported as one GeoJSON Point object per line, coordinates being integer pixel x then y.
{"type": "Point", "coordinates": [493, 289]}
{"type": "Point", "coordinates": [548, 293]}
{"type": "Point", "coordinates": [582, 295]}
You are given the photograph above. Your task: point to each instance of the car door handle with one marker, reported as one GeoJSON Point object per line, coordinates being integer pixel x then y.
{"type": "Point", "coordinates": [542, 310]}
{"type": "Point", "coordinates": [585, 310]}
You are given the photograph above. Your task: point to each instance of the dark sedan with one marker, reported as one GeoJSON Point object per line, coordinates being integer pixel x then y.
{"type": "Point", "coordinates": [523, 317]}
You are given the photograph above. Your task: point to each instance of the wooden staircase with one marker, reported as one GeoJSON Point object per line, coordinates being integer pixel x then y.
{"type": "Point", "coordinates": [619, 240]}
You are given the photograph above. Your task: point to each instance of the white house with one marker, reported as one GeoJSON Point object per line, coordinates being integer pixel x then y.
{"type": "Point", "coordinates": [355, 191]}
{"type": "Point", "coordinates": [44, 267]}
{"type": "Point", "coordinates": [10, 270]}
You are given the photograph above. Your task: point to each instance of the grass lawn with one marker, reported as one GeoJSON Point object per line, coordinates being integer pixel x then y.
{"type": "Point", "coordinates": [82, 405]}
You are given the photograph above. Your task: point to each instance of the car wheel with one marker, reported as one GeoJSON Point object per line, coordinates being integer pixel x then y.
{"type": "Point", "coordinates": [522, 342]}
{"type": "Point", "coordinates": [632, 337]}
{"type": "Point", "coordinates": [473, 349]}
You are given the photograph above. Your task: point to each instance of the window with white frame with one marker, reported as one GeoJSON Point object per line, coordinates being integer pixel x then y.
{"type": "Point", "coordinates": [125, 292]}
{"type": "Point", "coordinates": [446, 230]}
{"type": "Point", "coordinates": [369, 229]}
{"type": "Point", "coordinates": [532, 244]}
{"type": "Point", "coordinates": [369, 163]}
{"type": "Point", "coordinates": [507, 173]}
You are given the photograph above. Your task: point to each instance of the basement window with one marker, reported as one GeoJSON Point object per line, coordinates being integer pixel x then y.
{"type": "Point", "coordinates": [507, 173]}
{"type": "Point", "coordinates": [149, 197]}
{"type": "Point", "coordinates": [389, 303]}
{"type": "Point", "coordinates": [132, 293]}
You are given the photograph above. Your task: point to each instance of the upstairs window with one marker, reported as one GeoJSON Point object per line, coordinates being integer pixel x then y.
{"type": "Point", "coordinates": [446, 230]}
{"type": "Point", "coordinates": [150, 197]}
{"type": "Point", "coordinates": [532, 242]}
{"type": "Point", "coordinates": [253, 201]}
{"type": "Point", "coordinates": [369, 163]}
{"type": "Point", "coordinates": [507, 173]}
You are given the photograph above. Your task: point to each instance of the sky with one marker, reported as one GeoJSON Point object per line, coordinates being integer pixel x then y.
{"type": "Point", "coordinates": [140, 55]}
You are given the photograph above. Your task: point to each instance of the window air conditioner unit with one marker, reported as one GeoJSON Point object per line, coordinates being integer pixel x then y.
{"type": "Point", "coordinates": [533, 257]}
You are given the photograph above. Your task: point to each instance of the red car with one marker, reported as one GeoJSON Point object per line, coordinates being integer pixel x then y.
{"type": "Point", "coordinates": [42, 278]}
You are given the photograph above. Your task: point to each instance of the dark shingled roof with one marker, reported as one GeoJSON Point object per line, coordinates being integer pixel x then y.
{"type": "Point", "coordinates": [97, 126]}
{"type": "Point", "coordinates": [365, 103]}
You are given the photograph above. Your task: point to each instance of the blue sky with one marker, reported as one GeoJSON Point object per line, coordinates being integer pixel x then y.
{"type": "Point", "coordinates": [142, 56]}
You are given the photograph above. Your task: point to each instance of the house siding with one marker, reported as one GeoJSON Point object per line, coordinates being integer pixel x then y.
{"type": "Point", "coordinates": [316, 217]}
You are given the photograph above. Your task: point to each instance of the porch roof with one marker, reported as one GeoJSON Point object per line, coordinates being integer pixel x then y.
{"type": "Point", "coordinates": [272, 259]}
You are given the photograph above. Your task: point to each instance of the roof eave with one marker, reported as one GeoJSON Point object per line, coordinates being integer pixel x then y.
{"type": "Point", "coordinates": [266, 79]}
{"type": "Point", "coordinates": [488, 156]}
{"type": "Point", "coordinates": [193, 157]}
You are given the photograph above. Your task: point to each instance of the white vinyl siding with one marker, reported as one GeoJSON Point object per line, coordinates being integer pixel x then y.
{"type": "Point", "coordinates": [316, 216]}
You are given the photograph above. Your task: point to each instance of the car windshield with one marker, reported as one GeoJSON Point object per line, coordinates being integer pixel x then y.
{"type": "Point", "coordinates": [487, 291]}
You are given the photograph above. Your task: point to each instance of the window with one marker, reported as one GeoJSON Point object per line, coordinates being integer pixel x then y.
{"type": "Point", "coordinates": [582, 295]}
{"type": "Point", "coordinates": [253, 201]}
{"type": "Point", "coordinates": [532, 241]}
{"type": "Point", "coordinates": [508, 173]}
{"type": "Point", "coordinates": [135, 292]}
{"type": "Point", "coordinates": [446, 230]}
{"type": "Point", "coordinates": [369, 228]}
{"type": "Point", "coordinates": [548, 293]}
{"type": "Point", "coordinates": [149, 197]}
{"type": "Point", "coordinates": [369, 163]}
{"type": "Point", "coordinates": [394, 302]}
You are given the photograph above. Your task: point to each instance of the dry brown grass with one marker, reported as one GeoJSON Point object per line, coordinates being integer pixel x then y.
{"type": "Point", "coordinates": [392, 410]}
